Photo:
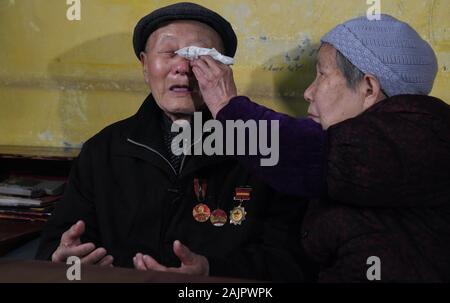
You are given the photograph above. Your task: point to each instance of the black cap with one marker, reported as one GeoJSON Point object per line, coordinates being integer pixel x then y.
{"type": "Point", "coordinates": [184, 11]}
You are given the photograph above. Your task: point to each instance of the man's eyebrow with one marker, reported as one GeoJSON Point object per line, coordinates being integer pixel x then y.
{"type": "Point", "coordinates": [166, 37]}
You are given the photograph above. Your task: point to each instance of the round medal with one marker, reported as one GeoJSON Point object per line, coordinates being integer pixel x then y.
{"type": "Point", "coordinates": [201, 212]}
{"type": "Point", "coordinates": [218, 218]}
{"type": "Point", "coordinates": [237, 215]}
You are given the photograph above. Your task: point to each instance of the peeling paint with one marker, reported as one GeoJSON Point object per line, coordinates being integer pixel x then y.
{"type": "Point", "coordinates": [71, 145]}
{"type": "Point", "coordinates": [74, 106]}
{"type": "Point", "coordinates": [46, 136]}
{"type": "Point", "coordinates": [34, 26]}
{"type": "Point", "coordinates": [7, 3]}
{"type": "Point", "coordinates": [81, 77]}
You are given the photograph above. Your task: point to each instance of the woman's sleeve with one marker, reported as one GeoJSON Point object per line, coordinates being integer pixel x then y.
{"type": "Point", "coordinates": [301, 167]}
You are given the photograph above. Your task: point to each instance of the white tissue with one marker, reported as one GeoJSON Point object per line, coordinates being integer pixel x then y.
{"type": "Point", "coordinates": [193, 52]}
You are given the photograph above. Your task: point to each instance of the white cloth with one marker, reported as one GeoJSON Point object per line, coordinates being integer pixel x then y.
{"type": "Point", "coordinates": [193, 52]}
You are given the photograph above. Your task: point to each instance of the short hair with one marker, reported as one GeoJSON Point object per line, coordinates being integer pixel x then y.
{"type": "Point", "coordinates": [352, 74]}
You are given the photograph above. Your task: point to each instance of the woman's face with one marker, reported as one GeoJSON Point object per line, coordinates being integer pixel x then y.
{"type": "Point", "coordinates": [330, 99]}
{"type": "Point", "coordinates": [168, 75]}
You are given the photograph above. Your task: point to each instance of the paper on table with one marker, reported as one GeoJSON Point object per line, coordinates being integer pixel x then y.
{"type": "Point", "coordinates": [193, 52]}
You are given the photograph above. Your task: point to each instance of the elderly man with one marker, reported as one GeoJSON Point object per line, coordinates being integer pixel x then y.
{"type": "Point", "coordinates": [130, 201]}
{"type": "Point", "coordinates": [386, 151]}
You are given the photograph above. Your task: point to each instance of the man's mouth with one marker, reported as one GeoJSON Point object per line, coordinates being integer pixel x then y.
{"type": "Point", "coordinates": [180, 88]}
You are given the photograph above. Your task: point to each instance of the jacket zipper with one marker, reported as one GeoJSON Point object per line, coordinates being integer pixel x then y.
{"type": "Point", "coordinates": [164, 158]}
{"type": "Point", "coordinates": [159, 154]}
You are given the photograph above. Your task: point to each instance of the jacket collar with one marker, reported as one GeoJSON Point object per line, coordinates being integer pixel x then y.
{"type": "Point", "coordinates": [147, 128]}
{"type": "Point", "coordinates": [144, 139]}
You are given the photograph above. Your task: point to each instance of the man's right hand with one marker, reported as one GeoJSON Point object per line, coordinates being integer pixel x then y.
{"type": "Point", "coordinates": [70, 245]}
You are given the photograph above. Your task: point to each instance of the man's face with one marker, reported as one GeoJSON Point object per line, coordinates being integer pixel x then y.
{"type": "Point", "coordinates": [169, 76]}
{"type": "Point", "coordinates": [330, 99]}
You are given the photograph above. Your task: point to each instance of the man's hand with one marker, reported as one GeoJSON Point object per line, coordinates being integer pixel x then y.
{"type": "Point", "coordinates": [215, 81]}
{"type": "Point", "coordinates": [70, 245]}
{"type": "Point", "coordinates": [191, 263]}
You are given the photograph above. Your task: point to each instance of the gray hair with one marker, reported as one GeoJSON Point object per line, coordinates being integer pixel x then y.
{"type": "Point", "coordinates": [352, 74]}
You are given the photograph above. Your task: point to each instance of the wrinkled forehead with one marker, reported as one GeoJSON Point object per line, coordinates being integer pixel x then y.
{"type": "Point", "coordinates": [188, 32]}
{"type": "Point", "coordinates": [326, 55]}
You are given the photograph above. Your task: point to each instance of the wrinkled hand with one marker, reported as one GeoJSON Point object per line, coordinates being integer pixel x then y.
{"type": "Point", "coordinates": [191, 263]}
{"type": "Point", "coordinates": [70, 245]}
{"type": "Point", "coordinates": [215, 81]}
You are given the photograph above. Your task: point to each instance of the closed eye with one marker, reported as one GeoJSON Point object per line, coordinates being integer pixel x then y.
{"type": "Point", "coordinates": [170, 53]}
{"type": "Point", "coordinates": [319, 72]}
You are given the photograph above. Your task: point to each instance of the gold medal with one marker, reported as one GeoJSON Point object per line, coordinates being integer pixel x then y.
{"type": "Point", "coordinates": [237, 215]}
{"type": "Point", "coordinates": [201, 212]}
{"type": "Point", "coordinates": [218, 218]}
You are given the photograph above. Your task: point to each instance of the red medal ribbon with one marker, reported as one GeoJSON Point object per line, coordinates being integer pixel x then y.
{"type": "Point", "coordinates": [243, 193]}
{"type": "Point", "coordinates": [200, 190]}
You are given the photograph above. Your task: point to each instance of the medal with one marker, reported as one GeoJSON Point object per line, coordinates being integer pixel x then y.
{"type": "Point", "coordinates": [200, 189]}
{"type": "Point", "coordinates": [201, 212]}
{"type": "Point", "coordinates": [218, 218]}
{"type": "Point", "coordinates": [242, 194]}
{"type": "Point", "coordinates": [237, 215]}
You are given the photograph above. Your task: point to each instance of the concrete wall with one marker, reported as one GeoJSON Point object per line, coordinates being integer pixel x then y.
{"type": "Point", "coordinates": [62, 81]}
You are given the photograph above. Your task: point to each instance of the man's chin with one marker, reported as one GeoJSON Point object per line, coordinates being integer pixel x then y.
{"type": "Point", "coordinates": [185, 114]}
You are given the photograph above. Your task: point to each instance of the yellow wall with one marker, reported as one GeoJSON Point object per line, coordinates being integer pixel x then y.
{"type": "Point", "coordinates": [62, 81]}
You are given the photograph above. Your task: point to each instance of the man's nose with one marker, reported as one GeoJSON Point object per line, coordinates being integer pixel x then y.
{"type": "Point", "coordinates": [182, 66]}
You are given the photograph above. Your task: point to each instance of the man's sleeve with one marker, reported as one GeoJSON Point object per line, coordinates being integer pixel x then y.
{"type": "Point", "coordinates": [301, 169]}
{"type": "Point", "coordinates": [77, 204]}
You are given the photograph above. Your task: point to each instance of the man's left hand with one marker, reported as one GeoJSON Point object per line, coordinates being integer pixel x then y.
{"type": "Point", "coordinates": [191, 263]}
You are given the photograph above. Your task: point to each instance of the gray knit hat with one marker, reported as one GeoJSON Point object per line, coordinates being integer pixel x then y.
{"type": "Point", "coordinates": [389, 49]}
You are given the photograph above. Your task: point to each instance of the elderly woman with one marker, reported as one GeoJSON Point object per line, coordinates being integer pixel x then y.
{"type": "Point", "coordinates": [386, 153]}
{"type": "Point", "coordinates": [131, 202]}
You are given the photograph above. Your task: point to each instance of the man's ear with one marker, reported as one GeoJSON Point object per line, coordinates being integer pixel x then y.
{"type": "Point", "coordinates": [371, 89]}
{"type": "Point", "coordinates": [143, 59]}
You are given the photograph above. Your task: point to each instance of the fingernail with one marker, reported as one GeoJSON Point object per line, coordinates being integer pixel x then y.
{"type": "Point", "coordinates": [146, 257]}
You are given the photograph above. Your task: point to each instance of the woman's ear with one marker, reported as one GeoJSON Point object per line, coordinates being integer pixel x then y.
{"type": "Point", "coordinates": [371, 89]}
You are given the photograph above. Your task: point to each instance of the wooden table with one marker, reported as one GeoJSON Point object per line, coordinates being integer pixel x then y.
{"type": "Point", "coordinates": [15, 233]}
{"type": "Point", "coordinates": [48, 272]}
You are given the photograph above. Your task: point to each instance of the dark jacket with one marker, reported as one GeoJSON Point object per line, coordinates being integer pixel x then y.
{"type": "Point", "coordinates": [388, 178]}
{"type": "Point", "coordinates": [132, 200]}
